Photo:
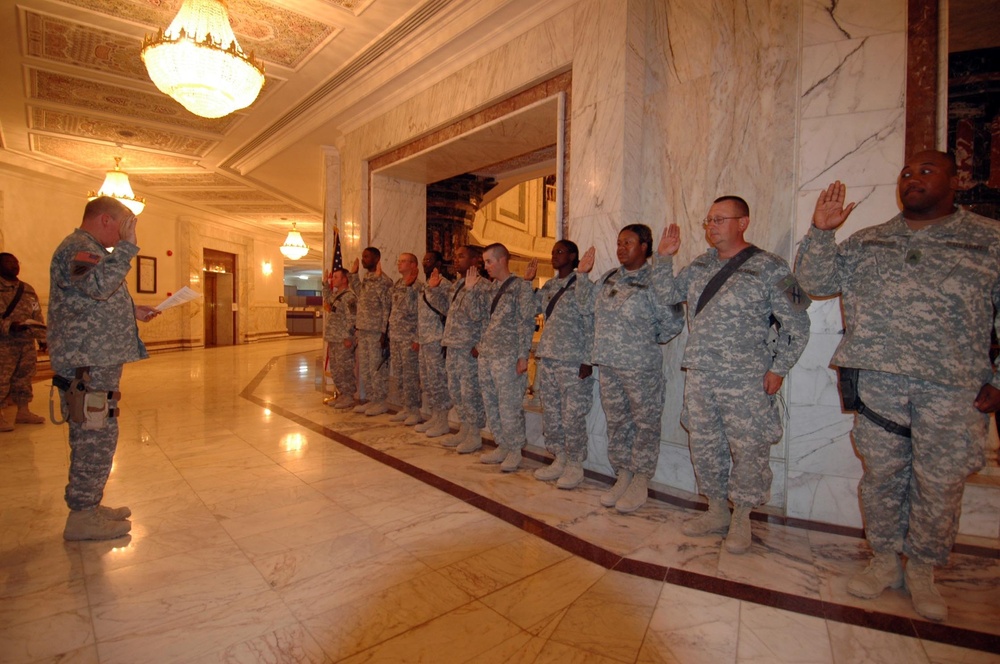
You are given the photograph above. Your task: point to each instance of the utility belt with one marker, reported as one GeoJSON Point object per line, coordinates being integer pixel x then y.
{"type": "Point", "coordinates": [84, 405]}
{"type": "Point", "coordinates": [848, 385]}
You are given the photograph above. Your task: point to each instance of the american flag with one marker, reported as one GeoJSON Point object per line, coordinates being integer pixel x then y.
{"type": "Point", "coordinates": [338, 258]}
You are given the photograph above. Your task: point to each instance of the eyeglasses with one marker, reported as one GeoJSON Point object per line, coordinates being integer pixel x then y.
{"type": "Point", "coordinates": [716, 221]}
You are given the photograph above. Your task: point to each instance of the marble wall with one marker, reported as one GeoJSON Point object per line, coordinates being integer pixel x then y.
{"type": "Point", "coordinates": [673, 104]}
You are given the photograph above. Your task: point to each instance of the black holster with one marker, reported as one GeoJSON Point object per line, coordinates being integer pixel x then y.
{"type": "Point", "coordinates": [851, 399]}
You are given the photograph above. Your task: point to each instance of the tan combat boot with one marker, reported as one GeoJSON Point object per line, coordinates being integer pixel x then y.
{"type": "Point", "coordinates": [457, 438]}
{"type": "Point", "coordinates": [611, 496]}
{"type": "Point", "coordinates": [635, 496]}
{"type": "Point", "coordinates": [496, 456]}
{"type": "Point", "coordinates": [927, 601]}
{"type": "Point", "coordinates": [437, 425]}
{"type": "Point", "coordinates": [715, 521]}
{"type": "Point", "coordinates": [553, 471]}
{"type": "Point", "coordinates": [114, 513]}
{"type": "Point", "coordinates": [739, 537]}
{"type": "Point", "coordinates": [90, 525]}
{"type": "Point", "coordinates": [883, 571]}
{"type": "Point", "coordinates": [25, 416]}
{"type": "Point", "coordinates": [572, 476]}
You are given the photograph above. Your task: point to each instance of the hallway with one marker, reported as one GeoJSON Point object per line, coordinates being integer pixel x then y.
{"type": "Point", "coordinates": [270, 528]}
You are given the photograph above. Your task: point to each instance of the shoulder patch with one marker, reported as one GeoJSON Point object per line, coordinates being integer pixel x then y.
{"type": "Point", "coordinates": [789, 285]}
{"type": "Point", "coordinates": [83, 262]}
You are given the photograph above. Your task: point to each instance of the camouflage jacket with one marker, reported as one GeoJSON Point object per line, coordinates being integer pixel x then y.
{"type": "Point", "coordinates": [629, 308]}
{"type": "Point", "coordinates": [341, 316]}
{"type": "Point", "coordinates": [430, 328]}
{"type": "Point", "coordinates": [461, 330]}
{"type": "Point", "coordinates": [403, 314]}
{"type": "Point", "coordinates": [374, 301]}
{"type": "Point", "coordinates": [916, 303]}
{"type": "Point", "coordinates": [510, 326]}
{"type": "Point", "coordinates": [91, 313]}
{"type": "Point", "coordinates": [26, 309]}
{"type": "Point", "coordinates": [731, 333]}
{"type": "Point", "coordinates": [568, 333]}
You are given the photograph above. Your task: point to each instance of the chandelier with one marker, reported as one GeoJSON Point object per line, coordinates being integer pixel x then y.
{"type": "Point", "coordinates": [116, 186]}
{"type": "Point", "coordinates": [198, 62]}
{"type": "Point", "coordinates": [294, 247]}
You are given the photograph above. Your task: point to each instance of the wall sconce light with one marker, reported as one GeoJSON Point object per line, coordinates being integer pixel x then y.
{"type": "Point", "coordinates": [266, 268]}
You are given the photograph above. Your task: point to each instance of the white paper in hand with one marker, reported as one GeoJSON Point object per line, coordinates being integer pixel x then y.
{"type": "Point", "coordinates": [183, 296]}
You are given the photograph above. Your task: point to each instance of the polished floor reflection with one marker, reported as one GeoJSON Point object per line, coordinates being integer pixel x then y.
{"type": "Point", "coordinates": [269, 528]}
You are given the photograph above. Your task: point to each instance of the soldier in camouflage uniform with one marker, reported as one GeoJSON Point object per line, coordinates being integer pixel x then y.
{"type": "Point", "coordinates": [372, 324]}
{"type": "Point", "coordinates": [18, 331]}
{"type": "Point", "coordinates": [92, 331]}
{"type": "Point", "coordinates": [565, 380]}
{"type": "Point", "coordinates": [507, 307]}
{"type": "Point", "coordinates": [342, 313]}
{"type": "Point", "coordinates": [630, 318]}
{"type": "Point", "coordinates": [403, 346]}
{"type": "Point", "coordinates": [919, 295]}
{"type": "Point", "coordinates": [733, 374]}
{"type": "Point", "coordinates": [432, 311]}
{"type": "Point", "coordinates": [460, 337]}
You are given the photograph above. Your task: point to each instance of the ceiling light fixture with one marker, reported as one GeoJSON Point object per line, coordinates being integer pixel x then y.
{"type": "Point", "coordinates": [294, 247]}
{"type": "Point", "coordinates": [198, 61]}
{"type": "Point", "coordinates": [116, 186]}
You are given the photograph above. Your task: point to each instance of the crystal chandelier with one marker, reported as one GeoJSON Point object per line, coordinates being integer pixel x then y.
{"type": "Point", "coordinates": [294, 247]}
{"type": "Point", "coordinates": [116, 186]}
{"type": "Point", "coordinates": [198, 62]}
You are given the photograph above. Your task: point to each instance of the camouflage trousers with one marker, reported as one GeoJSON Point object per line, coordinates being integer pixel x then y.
{"type": "Point", "coordinates": [404, 367]}
{"type": "Point", "coordinates": [503, 400]}
{"type": "Point", "coordinates": [732, 423]}
{"type": "Point", "coordinates": [17, 367]}
{"type": "Point", "coordinates": [566, 400]}
{"type": "Point", "coordinates": [433, 379]}
{"type": "Point", "coordinates": [911, 490]}
{"type": "Point", "coordinates": [463, 386]}
{"type": "Point", "coordinates": [633, 405]}
{"type": "Point", "coordinates": [374, 379]}
{"type": "Point", "coordinates": [92, 451]}
{"type": "Point", "coordinates": [341, 363]}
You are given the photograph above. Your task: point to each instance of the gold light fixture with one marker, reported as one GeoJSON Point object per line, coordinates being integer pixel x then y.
{"type": "Point", "coordinates": [198, 61]}
{"type": "Point", "coordinates": [116, 186]}
{"type": "Point", "coordinates": [294, 247]}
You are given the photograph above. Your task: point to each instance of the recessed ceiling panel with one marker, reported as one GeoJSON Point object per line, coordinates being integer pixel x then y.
{"type": "Point", "coordinates": [168, 180]}
{"type": "Point", "coordinates": [222, 195]}
{"type": "Point", "coordinates": [92, 127]}
{"type": "Point", "coordinates": [98, 157]}
{"type": "Point", "coordinates": [66, 42]}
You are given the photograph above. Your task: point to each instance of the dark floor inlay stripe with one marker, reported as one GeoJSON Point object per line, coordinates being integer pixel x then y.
{"type": "Point", "coordinates": [879, 621]}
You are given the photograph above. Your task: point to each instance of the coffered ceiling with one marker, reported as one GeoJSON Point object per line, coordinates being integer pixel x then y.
{"type": "Point", "coordinates": [76, 95]}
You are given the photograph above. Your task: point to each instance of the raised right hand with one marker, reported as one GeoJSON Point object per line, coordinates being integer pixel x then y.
{"type": "Point", "coordinates": [471, 277]}
{"type": "Point", "coordinates": [670, 241]}
{"type": "Point", "coordinates": [355, 266]}
{"type": "Point", "coordinates": [587, 261]}
{"type": "Point", "coordinates": [126, 229]}
{"type": "Point", "coordinates": [434, 280]}
{"type": "Point", "coordinates": [830, 210]}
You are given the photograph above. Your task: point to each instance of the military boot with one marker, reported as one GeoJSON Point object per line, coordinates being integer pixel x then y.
{"type": "Point", "coordinates": [553, 471]}
{"type": "Point", "coordinates": [114, 513]}
{"type": "Point", "coordinates": [739, 537]}
{"type": "Point", "coordinates": [424, 425]}
{"type": "Point", "coordinates": [4, 424]}
{"type": "Point", "coordinates": [496, 456]}
{"type": "Point", "coordinates": [90, 525]}
{"type": "Point", "coordinates": [715, 520]}
{"type": "Point", "coordinates": [927, 601]}
{"type": "Point", "coordinates": [635, 495]}
{"type": "Point", "coordinates": [457, 438]}
{"type": "Point", "coordinates": [610, 498]}
{"type": "Point", "coordinates": [883, 571]}
{"type": "Point", "coordinates": [360, 408]}
{"type": "Point", "coordinates": [376, 408]}
{"type": "Point", "coordinates": [438, 425]}
{"type": "Point", "coordinates": [572, 476]}
{"type": "Point", "coordinates": [399, 416]}
{"type": "Point", "coordinates": [413, 417]}
{"type": "Point", "coordinates": [511, 461]}
{"type": "Point", "coordinates": [25, 416]}
{"type": "Point", "coordinates": [343, 402]}
{"type": "Point", "coordinates": [473, 441]}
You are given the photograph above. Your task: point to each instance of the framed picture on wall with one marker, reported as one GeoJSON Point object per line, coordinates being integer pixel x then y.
{"type": "Point", "coordinates": [145, 276]}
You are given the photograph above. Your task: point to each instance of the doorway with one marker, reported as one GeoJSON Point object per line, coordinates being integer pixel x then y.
{"type": "Point", "coordinates": [220, 298]}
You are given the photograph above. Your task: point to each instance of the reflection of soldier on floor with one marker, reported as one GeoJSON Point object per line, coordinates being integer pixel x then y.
{"type": "Point", "coordinates": [21, 324]}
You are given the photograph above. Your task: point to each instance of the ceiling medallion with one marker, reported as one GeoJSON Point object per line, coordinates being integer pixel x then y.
{"type": "Point", "coordinates": [116, 185]}
{"type": "Point", "coordinates": [198, 61]}
{"type": "Point", "coordinates": [294, 247]}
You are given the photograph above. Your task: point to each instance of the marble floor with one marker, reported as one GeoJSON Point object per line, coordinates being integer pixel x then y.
{"type": "Point", "coordinates": [269, 528]}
